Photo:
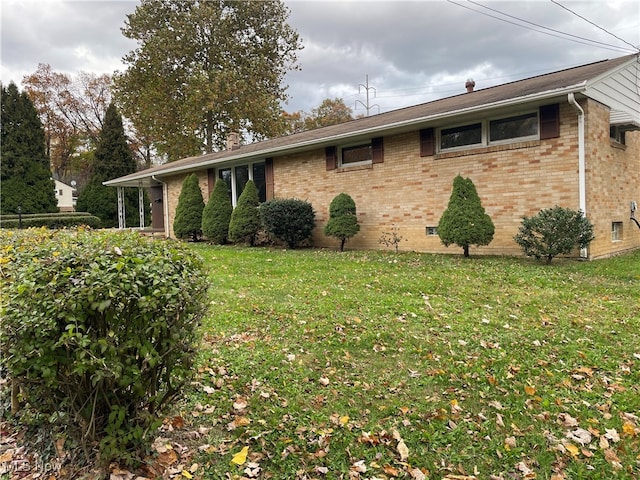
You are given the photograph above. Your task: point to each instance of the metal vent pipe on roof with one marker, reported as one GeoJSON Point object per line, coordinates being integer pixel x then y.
{"type": "Point", "coordinates": [470, 85]}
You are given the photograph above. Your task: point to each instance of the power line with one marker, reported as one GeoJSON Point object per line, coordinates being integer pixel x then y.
{"type": "Point", "coordinates": [591, 42]}
{"type": "Point", "coordinates": [594, 24]}
{"type": "Point", "coordinates": [546, 28]}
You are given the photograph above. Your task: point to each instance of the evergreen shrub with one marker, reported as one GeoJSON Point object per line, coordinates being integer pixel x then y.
{"type": "Point", "coordinates": [343, 222]}
{"type": "Point", "coordinates": [99, 331]}
{"type": "Point", "coordinates": [554, 231]}
{"type": "Point", "coordinates": [465, 221]}
{"type": "Point", "coordinates": [289, 220]}
{"type": "Point", "coordinates": [188, 220]}
{"type": "Point", "coordinates": [216, 214]}
{"type": "Point", "coordinates": [245, 219]}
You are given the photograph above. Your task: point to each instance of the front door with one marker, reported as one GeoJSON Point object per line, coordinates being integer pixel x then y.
{"type": "Point", "coordinates": [157, 208]}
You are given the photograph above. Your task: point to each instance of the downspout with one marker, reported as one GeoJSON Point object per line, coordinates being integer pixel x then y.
{"type": "Point", "coordinates": [165, 205]}
{"type": "Point", "coordinates": [582, 170]}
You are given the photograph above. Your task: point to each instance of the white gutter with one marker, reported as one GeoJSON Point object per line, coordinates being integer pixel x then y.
{"type": "Point", "coordinates": [165, 205]}
{"type": "Point", "coordinates": [582, 170]}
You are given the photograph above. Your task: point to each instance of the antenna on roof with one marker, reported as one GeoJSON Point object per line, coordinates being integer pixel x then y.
{"type": "Point", "coordinates": [366, 87]}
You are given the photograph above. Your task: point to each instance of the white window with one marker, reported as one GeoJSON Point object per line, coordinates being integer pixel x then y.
{"type": "Point", "coordinates": [356, 155]}
{"type": "Point", "coordinates": [509, 129]}
{"type": "Point", "coordinates": [461, 136]}
{"type": "Point", "coordinates": [616, 231]}
{"type": "Point", "coordinates": [237, 177]}
{"type": "Point", "coordinates": [515, 128]}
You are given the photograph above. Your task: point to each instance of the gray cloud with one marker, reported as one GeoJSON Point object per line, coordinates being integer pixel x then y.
{"type": "Point", "coordinates": [412, 51]}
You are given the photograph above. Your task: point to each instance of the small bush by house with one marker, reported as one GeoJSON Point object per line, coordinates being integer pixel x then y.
{"type": "Point", "coordinates": [554, 231]}
{"type": "Point", "coordinates": [289, 220]}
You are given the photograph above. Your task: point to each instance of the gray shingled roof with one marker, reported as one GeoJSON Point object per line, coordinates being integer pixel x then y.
{"type": "Point", "coordinates": [539, 87]}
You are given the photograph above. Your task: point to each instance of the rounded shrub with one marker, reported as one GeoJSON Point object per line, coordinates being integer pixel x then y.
{"type": "Point", "coordinates": [217, 214]}
{"type": "Point", "coordinates": [343, 222]}
{"type": "Point", "coordinates": [289, 220]}
{"type": "Point", "coordinates": [99, 331]}
{"type": "Point", "coordinates": [554, 231]}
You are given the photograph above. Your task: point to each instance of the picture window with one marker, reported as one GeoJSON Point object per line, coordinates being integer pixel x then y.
{"type": "Point", "coordinates": [237, 177]}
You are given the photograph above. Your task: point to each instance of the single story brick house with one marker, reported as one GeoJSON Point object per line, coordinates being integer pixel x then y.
{"type": "Point", "coordinates": [569, 138]}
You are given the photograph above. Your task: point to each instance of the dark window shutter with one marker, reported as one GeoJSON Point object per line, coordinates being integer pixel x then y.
{"type": "Point", "coordinates": [331, 154]}
{"type": "Point", "coordinates": [549, 121]}
{"type": "Point", "coordinates": [211, 180]}
{"type": "Point", "coordinates": [427, 145]}
{"type": "Point", "coordinates": [377, 150]}
{"type": "Point", "coordinates": [268, 178]}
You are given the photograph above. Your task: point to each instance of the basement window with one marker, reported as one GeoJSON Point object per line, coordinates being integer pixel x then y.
{"type": "Point", "coordinates": [616, 231]}
{"type": "Point", "coordinates": [617, 134]}
{"type": "Point", "coordinates": [432, 231]}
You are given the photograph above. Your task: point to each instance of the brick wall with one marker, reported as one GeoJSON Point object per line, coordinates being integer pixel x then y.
{"type": "Point", "coordinates": [411, 192]}
{"type": "Point", "coordinates": [613, 180]}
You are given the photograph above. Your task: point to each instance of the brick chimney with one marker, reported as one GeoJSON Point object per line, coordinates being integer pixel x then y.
{"type": "Point", "coordinates": [470, 85]}
{"type": "Point", "coordinates": [233, 141]}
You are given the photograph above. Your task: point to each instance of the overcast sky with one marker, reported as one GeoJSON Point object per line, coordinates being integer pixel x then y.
{"type": "Point", "coordinates": [412, 52]}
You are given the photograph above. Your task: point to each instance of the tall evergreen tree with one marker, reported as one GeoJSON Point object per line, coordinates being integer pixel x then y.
{"type": "Point", "coordinates": [465, 221]}
{"type": "Point", "coordinates": [113, 158]}
{"type": "Point", "coordinates": [188, 220]}
{"type": "Point", "coordinates": [217, 214]}
{"type": "Point", "coordinates": [245, 219]}
{"type": "Point", "coordinates": [24, 171]}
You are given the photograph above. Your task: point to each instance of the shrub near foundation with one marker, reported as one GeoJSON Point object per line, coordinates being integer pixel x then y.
{"type": "Point", "coordinates": [99, 331]}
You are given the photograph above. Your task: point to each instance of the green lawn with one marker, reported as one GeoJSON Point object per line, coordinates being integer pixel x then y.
{"type": "Point", "coordinates": [381, 365]}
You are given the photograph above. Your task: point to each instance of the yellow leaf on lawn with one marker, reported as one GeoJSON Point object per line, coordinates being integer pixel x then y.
{"type": "Point", "coordinates": [186, 474]}
{"type": "Point", "coordinates": [629, 429]}
{"type": "Point", "coordinates": [529, 390]}
{"type": "Point", "coordinates": [6, 456]}
{"type": "Point", "coordinates": [240, 457]}
{"type": "Point", "coordinates": [573, 450]}
{"type": "Point", "coordinates": [344, 419]}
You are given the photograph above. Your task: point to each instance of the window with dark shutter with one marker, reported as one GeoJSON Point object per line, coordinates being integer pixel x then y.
{"type": "Point", "coordinates": [549, 121]}
{"type": "Point", "coordinates": [427, 146]}
{"type": "Point", "coordinates": [331, 155]}
{"type": "Point", "coordinates": [377, 150]}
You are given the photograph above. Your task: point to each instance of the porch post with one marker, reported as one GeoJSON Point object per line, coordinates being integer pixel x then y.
{"type": "Point", "coordinates": [141, 204]}
{"type": "Point", "coordinates": [121, 218]}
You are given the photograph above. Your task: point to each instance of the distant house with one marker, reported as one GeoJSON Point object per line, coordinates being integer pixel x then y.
{"type": "Point", "coordinates": [568, 138]}
{"type": "Point", "coordinates": [66, 196]}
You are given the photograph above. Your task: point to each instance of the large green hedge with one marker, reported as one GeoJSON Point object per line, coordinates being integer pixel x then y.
{"type": "Point", "coordinates": [50, 220]}
{"type": "Point", "coordinates": [99, 331]}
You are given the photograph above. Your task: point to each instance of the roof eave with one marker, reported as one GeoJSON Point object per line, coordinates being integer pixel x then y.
{"type": "Point", "coordinates": [391, 127]}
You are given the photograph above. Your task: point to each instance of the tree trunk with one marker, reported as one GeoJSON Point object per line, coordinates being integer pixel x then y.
{"type": "Point", "coordinates": [466, 250]}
